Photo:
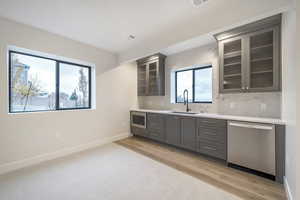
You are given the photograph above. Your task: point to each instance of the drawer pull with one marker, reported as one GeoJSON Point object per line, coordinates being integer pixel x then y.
{"type": "Point", "coordinates": [205, 121]}
{"type": "Point", "coordinates": [210, 133]}
{"type": "Point", "coordinates": [209, 148]}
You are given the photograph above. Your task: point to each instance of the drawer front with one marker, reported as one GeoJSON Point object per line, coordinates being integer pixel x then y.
{"type": "Point", "coordinates": [212, 148]}
{"type": "Point", "coordinates": [212, 130]}
{"type": "Point", "coordinates": [138, 131]}
{"type": "Point", "coordinates": [217, 135]}
{"type": "Point", "coordinates": [212, 122]}
{"type": "Point", "coordinates": [156, 135]}
{"type": "Point", "coordinates": [155, 122]}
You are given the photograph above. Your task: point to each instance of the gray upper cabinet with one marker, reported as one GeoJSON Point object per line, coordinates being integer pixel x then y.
{"type": "Point", "coordinates": [151, 75]}
{"type": "Point", "coordinates": [249, 57]}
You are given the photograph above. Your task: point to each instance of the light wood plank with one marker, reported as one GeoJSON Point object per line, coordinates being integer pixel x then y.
{"type": "Point", "coordinates": [244, 185]}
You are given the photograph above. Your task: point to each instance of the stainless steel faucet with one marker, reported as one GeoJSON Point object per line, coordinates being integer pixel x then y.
{"type": "Point", "coordinates": [186, 100]}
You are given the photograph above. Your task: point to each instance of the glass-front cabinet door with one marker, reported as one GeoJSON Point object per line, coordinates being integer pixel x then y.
{"type": "Point", "coordinates": [263, 71]}
{"type": "Point", "coordinates": [153, 79]}
{"type": "Point", "coordinates": [231, 62]}
{"type": "Point", "coordinates": [142, 80]}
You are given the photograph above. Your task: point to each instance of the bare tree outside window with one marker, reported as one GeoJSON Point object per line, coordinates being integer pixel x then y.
{"type": "Point", "coordinates": [31, 83]}
{"type": "Point", "coordinates": [35, 82]}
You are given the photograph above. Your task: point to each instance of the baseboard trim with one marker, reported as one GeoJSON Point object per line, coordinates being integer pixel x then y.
{"type": "Point", "coordinates": [287, 189]}
{"type": "Point", "coordinates": [12, 166]}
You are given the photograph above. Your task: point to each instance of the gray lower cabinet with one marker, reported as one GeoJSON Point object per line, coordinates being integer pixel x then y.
{"type": "Point", "coordinates": [181, 131]}
{"type": "Point", "coordinates": [212, 137]}
{"type": "Point", "coordinates": [204, 135]}
{"type": "Point", "coordinates": [138, 131]}
{"type": "Point", "coordinates": [188, 133]}
{"type": "Point", "coordinates": [173, 131]}
{"type": "Point", "coordinates": [156, 126]}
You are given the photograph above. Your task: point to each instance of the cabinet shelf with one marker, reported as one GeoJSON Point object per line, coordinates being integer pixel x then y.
{"type": "Point", "coordinates": [233, 54]}
{"type": "Point", "coordinates": [262, 72]}
{"type": "Point", "coordinates": [232, 64]}
{"type": "Point", "coordinates": [261, 47]}
{"type": "Point", "coordinates": [232, 75]}
{"type": "Point", "coordinates": [262, 59]}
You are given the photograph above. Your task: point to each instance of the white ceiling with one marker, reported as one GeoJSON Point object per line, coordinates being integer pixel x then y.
{"type": "Point", "coordinates": [101, 23]}
{"type": "Point", "coordinates": [108, 23]}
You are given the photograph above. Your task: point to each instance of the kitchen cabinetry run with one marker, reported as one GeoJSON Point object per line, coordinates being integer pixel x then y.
{"type": "Point", "coordinates": [249, 57]}
{"type": "Point", "coordinates": [207, 136]}
{"type": "Point", "coordinates": [151, 75]}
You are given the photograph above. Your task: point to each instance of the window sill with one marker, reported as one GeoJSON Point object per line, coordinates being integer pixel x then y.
{"type": "Point", "coordinates": [51, 111]}
{"type": "Point", "coordinates": [202, 102]}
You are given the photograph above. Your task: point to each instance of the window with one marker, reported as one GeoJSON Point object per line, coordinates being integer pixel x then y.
{"type": "Point", "coordinates": [43, 84]}
{"type": "Point", "coordinates": [197, 81]}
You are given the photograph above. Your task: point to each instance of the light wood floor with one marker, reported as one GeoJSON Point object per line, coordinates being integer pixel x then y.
{"type": "Point", "coordinates": [244, 185]}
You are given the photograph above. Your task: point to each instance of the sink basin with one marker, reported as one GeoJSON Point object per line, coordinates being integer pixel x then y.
{"type": "Point", "coordinates": [178, 112]}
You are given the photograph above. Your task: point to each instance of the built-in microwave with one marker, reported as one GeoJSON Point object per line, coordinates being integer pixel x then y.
{"type": "Point", "coordinates": [138, 119]}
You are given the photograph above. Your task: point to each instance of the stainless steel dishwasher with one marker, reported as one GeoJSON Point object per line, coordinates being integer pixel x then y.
{"type": "Point", "coordinates": [252, 145]}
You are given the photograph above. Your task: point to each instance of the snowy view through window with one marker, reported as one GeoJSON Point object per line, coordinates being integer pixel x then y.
{"type": "Point", "coordinates": [198, 82]}
{"type": "Point", "coordinates": [74, 88]}
{"type": "Point", "coordinates": [33, 84]}
{"type": "Point", "coordinates": [184, 81]}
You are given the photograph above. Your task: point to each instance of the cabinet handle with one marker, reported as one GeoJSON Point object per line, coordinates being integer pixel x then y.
{"type": "Point", "coordinates": [205, 121]}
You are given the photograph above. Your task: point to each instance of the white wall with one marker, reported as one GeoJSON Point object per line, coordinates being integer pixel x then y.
{"type": "Point", "coordinates": [297, 173]}
{"type": "Point", "coordinates": [24, 136]}
{"type": "Point", "coordinates": [251, 104]}
{"type": "Point", "coordinates": [289, 102]}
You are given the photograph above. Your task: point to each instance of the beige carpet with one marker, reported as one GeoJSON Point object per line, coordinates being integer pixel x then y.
{"type": "Point", "coordinates": [110, 172]}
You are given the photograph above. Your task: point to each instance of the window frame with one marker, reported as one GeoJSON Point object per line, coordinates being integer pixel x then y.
{"type": "Point", "coordinates": [193, 84]}
{"type": "Point", "coordinates": [57, 82]}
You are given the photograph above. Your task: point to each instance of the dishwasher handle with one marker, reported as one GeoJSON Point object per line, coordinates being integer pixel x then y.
{"type": "Point", "coordinates": [251, 126]}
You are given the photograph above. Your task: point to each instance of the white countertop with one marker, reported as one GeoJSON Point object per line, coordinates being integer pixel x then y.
{"type": "Point", "coordinates": [219, 116]}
